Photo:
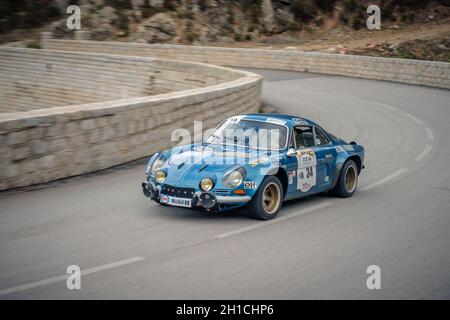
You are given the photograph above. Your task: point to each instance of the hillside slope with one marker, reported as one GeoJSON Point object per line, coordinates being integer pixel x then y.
{"type": "Point", "coordinates": [410, 29]}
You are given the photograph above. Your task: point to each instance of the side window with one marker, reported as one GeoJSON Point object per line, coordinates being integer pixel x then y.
{"type": "Point", "coordinates": [304, 137]}
{"type": "Point", "coordinates": [321, 138]}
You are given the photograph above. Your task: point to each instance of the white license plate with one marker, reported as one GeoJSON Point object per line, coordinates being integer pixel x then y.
{"type": "Point", "coordinates": [174, 201]}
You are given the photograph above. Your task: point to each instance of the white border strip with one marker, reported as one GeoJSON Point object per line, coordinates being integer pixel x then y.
{"type": "Point", "coordinates": [430, 134]}
{"type": "Point", "coordinates": [384, 180]}
{"type": "Point", "coordinates": [424, 153]}
{"type": "Point", "coordinates": [417, 120]}
{"type": "Point", "coordinates": [279, 219]}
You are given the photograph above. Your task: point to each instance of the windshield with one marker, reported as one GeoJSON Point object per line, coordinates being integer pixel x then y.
{"type": "Point", "coordinates": [250, 133]}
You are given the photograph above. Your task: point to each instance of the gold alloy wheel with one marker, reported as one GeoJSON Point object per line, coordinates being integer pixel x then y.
{"type": "Point", "coordinates": [271, 198]}
{"type": "Point", "coordinates": [351, 176]}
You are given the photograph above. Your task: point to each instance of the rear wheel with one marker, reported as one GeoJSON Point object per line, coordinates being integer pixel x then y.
{"type": "Point", "coordinates": [348, 180]}
{"type": "Point", "coordinates": [266, 203]}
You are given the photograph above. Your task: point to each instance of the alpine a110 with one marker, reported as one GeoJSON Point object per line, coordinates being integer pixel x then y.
{"type": "Point", "coordinates": [257, 161]}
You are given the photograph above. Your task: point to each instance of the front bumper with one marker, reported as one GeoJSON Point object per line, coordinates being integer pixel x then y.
{"type": "Point", "coordinates": [203, 199]}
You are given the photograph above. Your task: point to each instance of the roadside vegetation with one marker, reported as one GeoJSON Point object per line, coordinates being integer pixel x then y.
{"type": "Point", "coordinates": [335, 26]}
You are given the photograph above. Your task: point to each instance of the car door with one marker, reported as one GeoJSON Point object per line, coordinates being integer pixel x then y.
{"type": "Point", "coordinates": [305, 169]}
{"type": "Point", "coordinates": [326, 158]}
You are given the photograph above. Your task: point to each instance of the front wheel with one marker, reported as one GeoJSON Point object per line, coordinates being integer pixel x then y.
{"type": "Point", "coordinates": [348, 180]}
{"type": "Point", "coordinates": [266, 203]}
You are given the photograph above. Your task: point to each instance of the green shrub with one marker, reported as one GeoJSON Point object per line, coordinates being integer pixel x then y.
{"type": "Point", "coordinates": [191, 36]}
{"type": "Point", "coordinates": [122, 22]}
{"type": "Point", "coordinates": [319, 21]}
{"type": "Point", "coordinates": [53, 11]}
{"type": "Point", "coordinates": [248, 37]}
{"type": "Point", "coordinates": [33, 45]}
{"type": "Point", "coordinates": [203, 5]}
{"type": "Point", "coordinates": [252, 8]}
{"type": "Point", "coordinates": [303, 10]}
{"type": "Point", "coordinates": [147, 9]}
{"type": "Point", "coordinates": [170, 5]}
{"type": "Point", "coordinates": [404, 54]}
{"type": "Point", "coordinates": [351, 5]}
{"type": "Point", "coordinates": [119, 4]}
{"type": "Point", "coordinates": [325, 6]}
{"type": "Point", "coordinates": [185, 14]}
{"type": "Point", "coordinates": [358, 23]}
{"type": "Point", "coordinates": [230, 18]}
{"type": "Point", "coordinates": [343, 17]}
{"type": "Point", "coordinates": [408, 17]}
{"type": "Point", "coordinates": [387, 15]}
{"type": "Point", "coordinates": [294, 26]}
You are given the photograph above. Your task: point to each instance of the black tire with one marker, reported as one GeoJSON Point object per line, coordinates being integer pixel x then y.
{"type": "Point", "coordinates": [348, 180]}
{"type": "Point", "coordinates": [268, 210]}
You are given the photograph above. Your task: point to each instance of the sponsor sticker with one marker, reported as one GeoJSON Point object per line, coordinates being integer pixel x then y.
{"type": "Point", "coordinates": [344, 147]}
{"type": "Point", "coordinates": [249, 184]}
{"type": "Point", "coordinates": [256, 162]}
{"type": "Point", "coordinates": [306, 172]}
{"type": "Point", "coordinates": [164, 198]}
{"type": "Point", "coordinates": [175, 201]}
{"type": "Point", "coordinates": [348, 147]}
{"type": "Point", "coordinates": [291, 176]}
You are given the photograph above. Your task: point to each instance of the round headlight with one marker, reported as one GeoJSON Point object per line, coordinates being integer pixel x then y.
{"type": "Point", "coordinates": [206, 184]}
{"type": "Point", "coordinates": [160, 176]}
{"type": "Point", "coordinates": [234, 179]}
{"type": "Point", "coordinates": [157, 164]}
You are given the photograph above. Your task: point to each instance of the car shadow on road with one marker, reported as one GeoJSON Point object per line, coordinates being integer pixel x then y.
{"type": "Point", "coordinates": [170, 212]}
{"type": "Point", "coordinates": [200, 214]}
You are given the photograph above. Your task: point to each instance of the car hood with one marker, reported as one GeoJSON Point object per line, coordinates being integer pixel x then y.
{"type": "Point", "coordinates": [188, 165]}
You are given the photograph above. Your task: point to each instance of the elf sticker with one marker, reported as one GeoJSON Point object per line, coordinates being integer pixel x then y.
{"type": "Point", "coordinates": [249, 184]}
{"type": "Point", "coordinates": [306, 173]}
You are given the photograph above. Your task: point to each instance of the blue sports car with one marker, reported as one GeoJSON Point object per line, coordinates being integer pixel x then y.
{"type": "Point", "coordinates": [257, 161]}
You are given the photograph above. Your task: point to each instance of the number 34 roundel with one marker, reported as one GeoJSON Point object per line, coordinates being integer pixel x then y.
{"type": "Point", "coordinates": [306, 173]}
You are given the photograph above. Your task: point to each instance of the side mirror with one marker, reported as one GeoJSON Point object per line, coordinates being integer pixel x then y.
{"type": "Point", "coordinates": [291, 152]}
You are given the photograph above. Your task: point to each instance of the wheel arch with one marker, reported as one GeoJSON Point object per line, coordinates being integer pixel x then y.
{"type": "Point", "coordinates": [281, 174]}
{"type": "Point", "coordinates": [339, 165]}
{"type": "Point", "coordinates": [357, 160]}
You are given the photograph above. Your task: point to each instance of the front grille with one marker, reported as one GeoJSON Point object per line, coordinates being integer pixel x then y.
{"type": "Point", "coordinates": [177, 191]}
{"type": "Point", "coordinates": [222, 191]}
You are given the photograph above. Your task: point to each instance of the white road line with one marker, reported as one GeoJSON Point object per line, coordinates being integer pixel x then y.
{"type": "Point", "coordinates": [385, 105]}
{"type": "Point", "coordinates": [430, 134]}
{"type": "Point", "coordinates": [266, 223]}
{"type": "Point", "coordinates": [409, 115]}
{"type": "Point", "coordinates": [48, 281]}
{"type": "Point", "coordinates": [384, 180]}
{"type": "Point", "coordinates": [424, 153]}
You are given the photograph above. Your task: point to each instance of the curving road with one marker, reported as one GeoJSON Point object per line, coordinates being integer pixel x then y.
{"type": "Point", "coordinates": [319, 247]}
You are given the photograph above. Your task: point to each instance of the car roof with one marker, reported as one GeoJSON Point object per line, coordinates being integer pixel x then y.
{"type": "Point", "coordinates": [289, 120]}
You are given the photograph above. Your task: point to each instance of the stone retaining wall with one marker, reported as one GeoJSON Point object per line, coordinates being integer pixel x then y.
{"type": "Point", "coordinates": [36, 79]}
{"type": "Point", "coordinates": [428, 73]}
{"type": "Point", "coordinates": [52, 143]}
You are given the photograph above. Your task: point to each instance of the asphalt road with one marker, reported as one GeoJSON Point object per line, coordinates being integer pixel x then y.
{"type": "Point", "coordinates": [319, 247]}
